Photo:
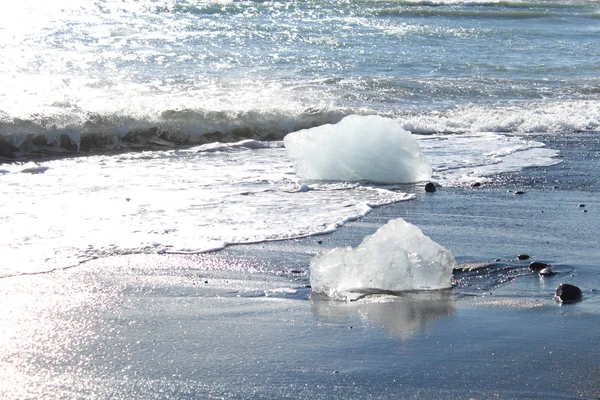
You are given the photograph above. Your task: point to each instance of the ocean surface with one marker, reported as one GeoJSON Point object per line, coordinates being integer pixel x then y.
{"type": "Point", "coordinates": [85, 86]}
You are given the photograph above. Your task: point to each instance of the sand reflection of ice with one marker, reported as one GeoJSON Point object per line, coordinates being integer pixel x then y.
{"type": "Point", "coordinates": [402, 315]}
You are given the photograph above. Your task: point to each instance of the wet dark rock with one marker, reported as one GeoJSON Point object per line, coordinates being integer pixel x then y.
{"type": "Point", "coordinates": [547, 272]}
{"type": "Point", "coordinates": [567, 293]}
{"type": "Point", "coordinates": [296, 271]}
{"type": "Point", "coordinates": [320, 242]}
{"type": "Point", "coordinates": [538, 266]}
{"type": "Point", "coordinates": [523, 257]}
{"type": "Point", "coordinates": [581, 205]}
{"type": "Point", "coordinates": [430, 187]}
{"type": "Point", "coordinates": [519, 192]}
{"type": "Point", "coordinates": [476, 184]}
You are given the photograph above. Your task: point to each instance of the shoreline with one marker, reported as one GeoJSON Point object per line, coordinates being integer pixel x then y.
{"type": "Point", "coordinates": [240, 323]}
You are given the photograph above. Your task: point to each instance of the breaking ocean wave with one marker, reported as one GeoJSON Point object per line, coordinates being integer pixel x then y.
{"type": "Point", "coordinates": [80, 134]}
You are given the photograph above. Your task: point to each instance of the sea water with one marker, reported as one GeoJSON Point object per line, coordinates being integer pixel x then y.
{"type": "Point", "coordinates": [469, 79]}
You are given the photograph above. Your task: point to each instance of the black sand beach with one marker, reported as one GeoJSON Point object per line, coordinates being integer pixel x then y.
{"type": "Point", "coordinates": [241, 323]}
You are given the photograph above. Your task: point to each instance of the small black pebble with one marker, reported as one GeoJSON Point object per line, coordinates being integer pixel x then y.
{"type": "Point", "coordinates": [584, 210]}
{"type": "Point", "coordinates": [523, 257]}
{"type": "Point", "coordinates": [320, 242]}
{"type": "Point", "coordinates": [567, 293]}
{"type": "Point", "coordinates": [205, 281]}
{"type": "Point", "coordinates": [308, 286]}
{"type": "Point", "coordinates": [336, 372]}
{"type": "Point", "coordinates": [538, 266]}
{"type": "Point", "coordinates": [296, 271]}
{"type": "Point", "coordinates": [476, 184]}
{"type": "Point", "coordinates": [430, 187]}
{"type": "Point", "coordinates": [519, 192]}
{"type": "Point", "coordinates": [128, 198]}
{"type": "Point", "coordinates": [581, 205]}
{"type": "Point", "coordinates": [497, 260]}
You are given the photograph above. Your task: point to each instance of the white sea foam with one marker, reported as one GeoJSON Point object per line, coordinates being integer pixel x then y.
{"type": "Point", "coordinates": [358, 148]}
{"type": "Point", "coordinates": [185, 201]}
{"type": "Point", "coordinates": [466, 158]}
{"type": "Point", "coordinates": [206, 197]}
{"type": "Point", "coordinates": [398, 257]}
{"type": "Point", "coordinates": [536, 117]}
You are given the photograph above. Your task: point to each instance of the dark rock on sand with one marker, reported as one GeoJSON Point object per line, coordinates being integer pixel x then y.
{"type": "Point", "coordinates": [547, 272]}
{"type": "Point", "coordinates": [538, 266]}
{"type": "Point", "coordinates": [523, 257]}
{"type": "Point", "coordinates": [476, 184]}
{"type": "Point", "coordinates": [567, 293]}
{"type": "Point", "coordinates": [430, 187]}
{"type": "Point", "coordinates": [519, 192]}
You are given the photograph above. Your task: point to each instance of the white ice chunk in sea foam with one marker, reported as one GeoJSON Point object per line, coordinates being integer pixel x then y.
{"type": "Point", "coordinates": [358, 148]}
{"type": "Point", "coordinates": [398, 257]}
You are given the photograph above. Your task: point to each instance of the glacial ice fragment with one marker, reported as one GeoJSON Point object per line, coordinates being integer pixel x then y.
{"type": "Point", "coordinates": [398, 257]}
{"type": "Point", "coordinates": [358, 148]}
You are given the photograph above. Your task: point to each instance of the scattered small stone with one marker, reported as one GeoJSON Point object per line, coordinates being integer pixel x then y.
{"type": "Point", "coordinates": [523, 257]}
{"type": "Point", "coordinates": [584, 210]}
{"type": "Point", "coordinates": [547, 272]}
{"type": "Point", "coordinates": [128, 198]}
{"type": "Point", "coordinates": [296, 271]}
{"type": "Point", "coordinates": [567, 293]}
{"type": "Point", "coordinates": [430, 187]}
{"type": "Point", "coordinates": [476, 184]}
{"type": "Point", "coordinates": [581, 205]}
{"type": "Point", "coordinates": [205, 281]}
{"type": "Point", "coordinates": [538, 266]}
{"type": "Point", "coordinates": [497, 260]}
{"type": "Point", "coordinates": [320, 242]}
{"type": "Point", "coordinates": [308, 286]}
{"type": "Point", "coordinates": [336, 372]}
{"type": "Point", "coordinates": [519, 192]}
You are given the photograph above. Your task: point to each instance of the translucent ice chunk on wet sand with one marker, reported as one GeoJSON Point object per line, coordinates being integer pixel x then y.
{"type": "Point", "coordinates": [398, 257]}
{"type": "Point", "coordinates": [358, 148]}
